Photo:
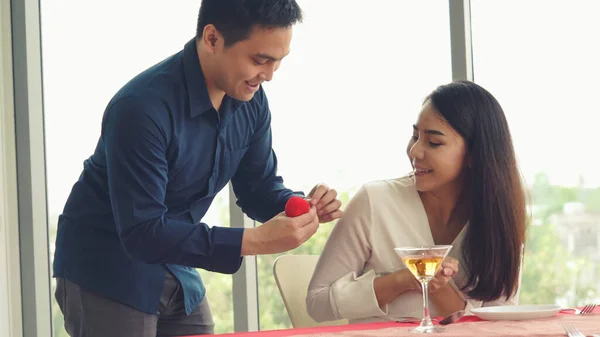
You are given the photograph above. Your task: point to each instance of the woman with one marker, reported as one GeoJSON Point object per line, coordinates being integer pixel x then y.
{"type": "Point", "coordinates": [465, 190]}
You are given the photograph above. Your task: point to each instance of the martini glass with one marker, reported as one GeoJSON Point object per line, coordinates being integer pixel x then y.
{"type": "Point", "coordinates": [424, 262]}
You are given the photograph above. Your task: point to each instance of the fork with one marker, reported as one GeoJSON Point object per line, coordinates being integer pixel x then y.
{"type": "Point", "coordinates": [587, 309]}
{"type": "Point", "coordinates": [572, 331]}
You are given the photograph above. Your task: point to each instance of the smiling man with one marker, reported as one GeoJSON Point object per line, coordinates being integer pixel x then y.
{"type": "Point", "coordinates": [131, 234]}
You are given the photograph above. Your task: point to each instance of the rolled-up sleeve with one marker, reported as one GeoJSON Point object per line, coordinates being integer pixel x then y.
{"type": "Point", "coordinates": [136, 133]}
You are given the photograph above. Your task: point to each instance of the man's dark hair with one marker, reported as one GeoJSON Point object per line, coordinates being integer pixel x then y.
{"type": "Point", "coordinates": [234, 19]}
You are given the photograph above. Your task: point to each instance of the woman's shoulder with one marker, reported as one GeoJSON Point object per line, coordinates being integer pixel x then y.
{"type": "Point", "coordinates": [402, 186]}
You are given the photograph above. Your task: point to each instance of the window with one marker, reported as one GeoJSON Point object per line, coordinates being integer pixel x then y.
{"type": "Point", "coordinates": [537, 58]}
{"type": "Point", "coordinates": [87, 56]}
{"type": "Point", "coordinates": [344, 101]}
{"type": "Point", "coordinates": [343, 104]}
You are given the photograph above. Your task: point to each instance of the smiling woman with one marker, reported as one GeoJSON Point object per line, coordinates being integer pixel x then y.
{"type": "Point", "coordinates": [478, 153]}
{"type": "Point", "coordinates": [465, 191]}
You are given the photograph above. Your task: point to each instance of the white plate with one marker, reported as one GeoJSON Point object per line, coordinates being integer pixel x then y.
{"type": "Point", "coordinates": [516, 312]}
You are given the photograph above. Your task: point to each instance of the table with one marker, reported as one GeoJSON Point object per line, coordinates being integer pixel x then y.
{"type": "Point", "coordinates": [466, 326]}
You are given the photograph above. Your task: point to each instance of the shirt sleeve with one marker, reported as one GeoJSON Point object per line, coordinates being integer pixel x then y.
{"type": "Point", "coordinates": [339, 288]}
{"type": "Point", "coordinates": [136, 133]}
{"type": "Point", "coordinates": [260, 192]}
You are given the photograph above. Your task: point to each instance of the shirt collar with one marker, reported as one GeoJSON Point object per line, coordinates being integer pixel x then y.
{"type": "Point", "coordinates": [196, 84]}
{"type": "Point", "coordinates": [194, 79]}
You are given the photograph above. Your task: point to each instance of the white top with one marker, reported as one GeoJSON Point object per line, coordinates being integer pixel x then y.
{"type": "Point", "coordinates": [381, 216]}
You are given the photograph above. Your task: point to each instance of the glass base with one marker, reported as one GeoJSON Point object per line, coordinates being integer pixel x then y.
{"type": "Point", "coordinates": [427, 329]}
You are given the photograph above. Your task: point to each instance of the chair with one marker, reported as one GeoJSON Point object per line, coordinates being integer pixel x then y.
{"type": "Point", "coordinates": [292, 275]}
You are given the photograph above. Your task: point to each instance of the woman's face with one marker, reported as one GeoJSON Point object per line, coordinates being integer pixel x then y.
{"type": "Point", "coordinates": [437, 152]}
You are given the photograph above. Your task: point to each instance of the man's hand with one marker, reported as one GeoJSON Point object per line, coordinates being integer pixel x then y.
{"type": "Point", "coordinates": [280, 234]}
{"type": "Point", "coordinates": [324, 199]}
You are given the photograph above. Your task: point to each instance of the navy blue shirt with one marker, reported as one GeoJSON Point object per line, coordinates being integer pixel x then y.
{"type": "Point", "coordinates": [163, 154]}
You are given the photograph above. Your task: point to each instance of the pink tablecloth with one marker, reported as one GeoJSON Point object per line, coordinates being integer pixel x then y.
{"type": "Point", "coordinates": [550, 327]}
{"type": "Point", "coordinates": [467, 326]}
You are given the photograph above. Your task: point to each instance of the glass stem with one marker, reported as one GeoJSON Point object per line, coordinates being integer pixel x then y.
{"type": "Point", "coordinates": [426, 321]}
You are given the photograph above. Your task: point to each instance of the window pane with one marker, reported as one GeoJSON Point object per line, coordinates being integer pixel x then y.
{"type": "Point", "coordinates": [87, 56]}
{"type": "Point", "coordinates": [218, 286]}
{"type": "Point", "coordinates": [345, 99]}
{"type": "Point", "coordinates": [539, 59]}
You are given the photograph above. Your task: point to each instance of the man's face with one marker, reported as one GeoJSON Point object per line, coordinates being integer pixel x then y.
{"type": "Point", "coordinates": [243, 66]}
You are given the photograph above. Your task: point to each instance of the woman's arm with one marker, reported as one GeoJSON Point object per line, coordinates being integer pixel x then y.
{"type": "Point", "coordinates": [340, 287]}
{"type": "Point", "coordinates": [447, 300]}
{"type": "Point", "coordinates": [390, 286]}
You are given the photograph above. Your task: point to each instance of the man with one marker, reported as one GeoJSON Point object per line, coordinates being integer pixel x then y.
{"type": "Point", "coordinates": [131, 233]}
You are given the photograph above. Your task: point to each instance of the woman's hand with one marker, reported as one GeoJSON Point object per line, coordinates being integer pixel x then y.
{"type": "Point", "coordinates": [448, 269]}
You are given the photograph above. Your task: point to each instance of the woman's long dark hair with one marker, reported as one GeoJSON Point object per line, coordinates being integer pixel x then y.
{"type": "Point", "coordinates": [496, 232]}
